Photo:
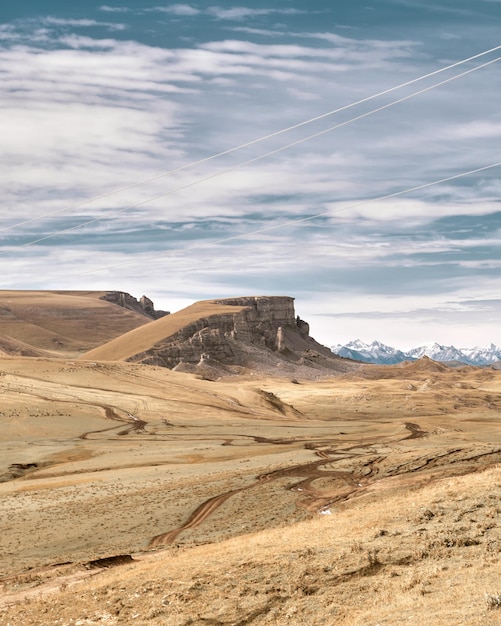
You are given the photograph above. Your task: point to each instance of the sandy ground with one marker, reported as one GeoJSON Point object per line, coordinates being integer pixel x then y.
{"type": "Point", "coordinates": [105, 459]}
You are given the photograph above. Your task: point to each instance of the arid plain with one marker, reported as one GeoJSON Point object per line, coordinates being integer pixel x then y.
{"type": "Point", "coordinates": [133, 494]}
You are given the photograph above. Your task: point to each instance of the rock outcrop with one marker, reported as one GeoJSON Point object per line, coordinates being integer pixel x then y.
{"type": "Point", "coordinates": [251, 333]}
{"type": "Point", "coordinates": [144, 305]}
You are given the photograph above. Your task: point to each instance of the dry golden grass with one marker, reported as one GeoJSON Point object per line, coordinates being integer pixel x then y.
{"type": "Point", "coordinates": [60, 322]}
{"type": "Point", "coordinates": [100, 458]}
{"type": "Point", "coordinates": [430, 556]}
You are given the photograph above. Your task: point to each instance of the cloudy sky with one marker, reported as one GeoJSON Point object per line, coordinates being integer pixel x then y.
{"type": "Point", "coordinates": [141, 150]}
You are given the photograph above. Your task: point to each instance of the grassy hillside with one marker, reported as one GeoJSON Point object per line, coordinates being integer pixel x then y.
{"type": "Point", "coordinates": [63, 322]}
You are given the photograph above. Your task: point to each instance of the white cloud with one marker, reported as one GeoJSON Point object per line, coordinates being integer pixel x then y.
{"type": "Point", "coordinates": [220, 13]}
{"type": "Point", "coordinates": [477, 129]}
{"type": "Point", "coordinates": [176, 9]}
{"type": "Point", "coordinates": [82, 23]}
{"type": "Point", "coordinates": [109, 9]}
{"type": "Point", "coordinates": [407, 212]}
{"type": "Point", "coordinates": [133, 86]}
{"type": "Point", "coordinates": [241, 13]}
{"type": "Point", "coordinates": [258, 31]}
{"type": "Point", "coordinates": [7, 32]}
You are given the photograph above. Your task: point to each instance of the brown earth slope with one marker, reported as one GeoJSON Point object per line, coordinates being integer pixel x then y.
{"type": "Point", "coordinates": [427, 557]}
{"type": "Point", "coordinates": [64, 322]}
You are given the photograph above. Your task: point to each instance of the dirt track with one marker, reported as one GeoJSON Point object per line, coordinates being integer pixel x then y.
{"type": "Point", "coordinates": [188, 461]}
{"type": "Point", "coordinates": [367, 470]}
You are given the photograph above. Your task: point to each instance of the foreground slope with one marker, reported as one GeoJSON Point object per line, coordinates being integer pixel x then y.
{"type": "Point", "coordinates": [369, 497]}
{"type": "Point", "coordinates": [428, 556]}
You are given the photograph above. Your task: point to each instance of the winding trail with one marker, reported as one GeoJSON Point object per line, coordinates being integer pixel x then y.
{"type": "Point", "coordinates": [198, 516]}
{"type": "Point", "coordinates": [348, 482]}
{"type": "Point", "coordinates": [308, 472]}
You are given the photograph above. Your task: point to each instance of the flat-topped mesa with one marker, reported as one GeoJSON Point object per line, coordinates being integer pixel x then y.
{"type": "Point", "coordinates": [224, 336]}
{"type": "Point", "coordinates": [258, 321]}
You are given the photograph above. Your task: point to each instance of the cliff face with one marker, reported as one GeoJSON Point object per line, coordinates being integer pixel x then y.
{"type": "Point", "coordinates": [261, 322]}
{"type": "Point", "coordinates": [262, 333]}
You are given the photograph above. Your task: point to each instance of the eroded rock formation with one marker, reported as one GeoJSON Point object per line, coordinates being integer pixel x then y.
{"type": "Point", "coordinates": [263, 332]}
{"type": "Point", "coordinates": [144, 305]}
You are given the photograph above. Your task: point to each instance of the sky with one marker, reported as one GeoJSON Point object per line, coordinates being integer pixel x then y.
{"type": "Point", "coordinates": [201, 150]}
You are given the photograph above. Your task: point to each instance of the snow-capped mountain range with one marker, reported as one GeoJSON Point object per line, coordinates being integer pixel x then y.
{"type": "Point", "coordinates": [381, 354]}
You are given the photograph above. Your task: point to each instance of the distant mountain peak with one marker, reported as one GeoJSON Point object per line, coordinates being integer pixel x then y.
{"type": "Point", "coordinates": [381, 354]}
{"type": "Point", "coordinates": [376, 352]}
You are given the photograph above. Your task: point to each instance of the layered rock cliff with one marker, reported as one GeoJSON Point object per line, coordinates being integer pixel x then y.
{"type": "Point", "coordinates": [232, 335]}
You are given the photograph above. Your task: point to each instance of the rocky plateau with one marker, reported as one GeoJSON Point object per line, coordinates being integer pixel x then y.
{"type": "Point", "coordinates": [227, 336]}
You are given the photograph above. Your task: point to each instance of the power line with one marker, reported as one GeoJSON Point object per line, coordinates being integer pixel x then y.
{"type": "Point", "coordinates": [295, 222]}
{"type": "Point", "coordinates": [249, 143]}
{"type": "Point", "coordinates": [262, 156]}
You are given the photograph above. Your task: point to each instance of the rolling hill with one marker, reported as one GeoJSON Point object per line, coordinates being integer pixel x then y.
{"type": "Point", "coordinates": [65, 322]}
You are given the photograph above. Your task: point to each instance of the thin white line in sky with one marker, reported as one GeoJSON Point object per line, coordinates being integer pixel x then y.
{"type": "Point", "coordinates": [295, 222]}
{"type": "Point", "coordinates": [247, 144]}
{"type": "Point", "coordinates": [258, 158]}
